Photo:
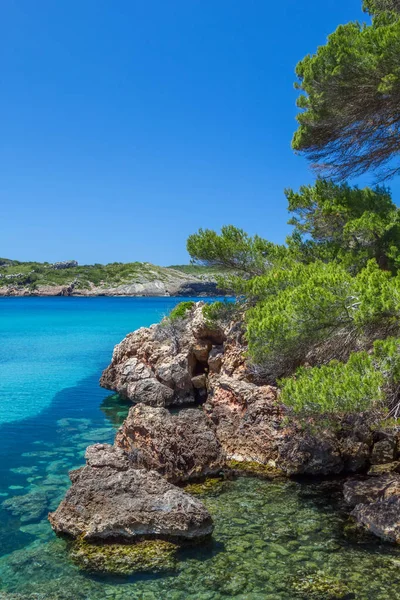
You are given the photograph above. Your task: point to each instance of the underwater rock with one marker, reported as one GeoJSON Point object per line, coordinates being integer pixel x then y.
{"type": "Point", "coordinates": [321, 587]}
{"type": "Point", "coordinates": [124, 559]}
{"type": "Point", "coordinates": [121, 503]}
{"type": "Point", "coordinates": [29, 507]}
{"type": "Point", "coordinates": [179, 446]}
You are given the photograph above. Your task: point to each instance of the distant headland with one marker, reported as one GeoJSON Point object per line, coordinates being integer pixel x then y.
{"type": "Point", "coordinates": [68, 278]}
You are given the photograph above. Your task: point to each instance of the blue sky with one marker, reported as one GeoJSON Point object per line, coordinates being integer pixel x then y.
{"type": "Point", "coordinates": [128, 125]}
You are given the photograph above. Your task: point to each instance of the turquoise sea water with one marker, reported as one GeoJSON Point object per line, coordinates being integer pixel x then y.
{"type": "Point", "coordinates": [273, 540]}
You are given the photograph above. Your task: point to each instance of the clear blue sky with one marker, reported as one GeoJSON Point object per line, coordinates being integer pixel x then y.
{"type": "Point", "coordinates": [126, 126]}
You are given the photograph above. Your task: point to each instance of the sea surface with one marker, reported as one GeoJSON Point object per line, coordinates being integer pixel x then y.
{"type": "Point", "coordinates": [273, 540]}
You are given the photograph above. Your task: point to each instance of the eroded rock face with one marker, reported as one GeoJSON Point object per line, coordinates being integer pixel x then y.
{"type": "Point", "coordinates": [192, 360]}
{"type": "Point", "coordinates": [111, 500]}
{"type": "Point", "coordinates": [179, 446]}
{"type": "Point", "coordinates": [163, 364]}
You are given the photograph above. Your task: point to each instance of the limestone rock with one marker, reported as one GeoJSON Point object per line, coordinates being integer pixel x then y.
{"type": "Point", "coordinates": [377, 504]}
{"type": "Point", "coordinates": [29, 507]}
{"type": "Point", "coordinates": [111, 501]}
{"type": "Point", "coordinates": [381, 518]}
{"type": "Point", "coordinates": [383, 451]}
{"type": "Point", "coordinates": [165, 364]}
{"type": "Point", "coordinates": [366, 491]}
{"type": "Point", "coordinates": [180, 447]}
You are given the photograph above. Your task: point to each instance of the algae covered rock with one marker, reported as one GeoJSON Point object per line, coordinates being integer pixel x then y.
{"type": "Point", "coordinates": [29, 507]}
{"type": "Point", "coordinates": [124, 559]}
{"type": "Point", "coordinates": [321, 587]}
{"type": "Point", "coordinates": [109, 500]}
{"type": "Point", "coordinates": [210, 486]}
{"type": "Point", "coordinates": [179, 446]}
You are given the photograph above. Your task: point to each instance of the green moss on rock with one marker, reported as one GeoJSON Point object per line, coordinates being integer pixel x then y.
{"type": "Point", "coordinates": [267, 471]}
{"type": "Point", "coordinates": [124, 559]}
{"type": "Point", "coordinates": [212, 486]}
{"type": "Point", "coordinates": [321, 587]}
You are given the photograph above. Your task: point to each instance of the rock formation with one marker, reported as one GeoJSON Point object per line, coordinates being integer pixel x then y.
{"type": "Point", "coordinates": [126, 491]}
{"type": "Point", "coordinates": [193, 361]}
{"type": "Point", "coordinates": [112, 501]}
{"type": "Point", "coordinates": [165, 364]}
{"type": "Point", "coordinates": [180, 447]}
{"type": "Point", "coordinates": [376, 503]}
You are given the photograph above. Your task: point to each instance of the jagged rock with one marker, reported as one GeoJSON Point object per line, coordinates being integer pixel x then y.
{"type": "Point", "coordinates": [180, 447]}
{"type": "Point", "coordinates": [381, 518]}
{"type": "Point", "coordinates": [247, 419]}
{"type": "Point", "coordinates": [384, 469]}
{"type": "Point", "coordinates": [383, 451]}
{"type": "Point", "coordinates": [110, 500]}
{"type": "Point", "coordinates": [377, 504]}
{"type": "Point", "coordinates": [160, 366]}
{"type": "Point", "coordinates": [201, 351]}
{"type": "Point", "coordinates": [305, 454]}
{"type": "Point", "coordinates": [366, 491]}
{"type": "Point", "coordinates": [215, 359]}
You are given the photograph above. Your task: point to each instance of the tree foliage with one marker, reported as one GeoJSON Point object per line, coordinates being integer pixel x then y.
{"type": "Point", "coordinates": [317, 312]}
{"type": "Point", "coordinates": [350, 225]}
{"type": "Point", "coordinates": [355, 386]}
{"type": "Point", "coordinates": [375, 7]}
{"type": "Point", "coordinates": [233, 250]}
{"type": "Point", "coordinates": [350, 102]}
{"type": "Point", "coordinates": [364, 382]}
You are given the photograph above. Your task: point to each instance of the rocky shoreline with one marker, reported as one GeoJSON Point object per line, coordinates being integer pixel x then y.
{"type": "Point", "coordinates": [173, 283]}
{"type": "Point", "coordinates": [133, 490]}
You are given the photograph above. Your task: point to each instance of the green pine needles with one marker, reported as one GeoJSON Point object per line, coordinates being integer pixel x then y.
{"type": "Point", "coordinates": [366, 382]}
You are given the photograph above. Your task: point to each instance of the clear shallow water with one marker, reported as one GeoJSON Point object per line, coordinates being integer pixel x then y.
{"type": "Point", "coordinates": [269, 536]}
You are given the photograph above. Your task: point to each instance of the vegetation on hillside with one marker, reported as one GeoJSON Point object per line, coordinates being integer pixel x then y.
{"type": "Point", "coordinates": [34, 274]}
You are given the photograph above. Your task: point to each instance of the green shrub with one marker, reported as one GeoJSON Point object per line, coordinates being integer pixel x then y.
{"type": "Point", "coordinates": [180, 311]}
{"type": "Point", "coordinates": [300, 308]}
{"type": "Point", "coordinates": [364, 382]}
{"type": "Point", "coordinates": [220, 311]}
{"type": "Point", "coordinates": [355, 386]}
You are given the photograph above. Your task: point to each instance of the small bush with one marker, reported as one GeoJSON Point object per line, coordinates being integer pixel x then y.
{"type": "Point", "coordinates": [220, 311]}
{"type": "Point", "coordinates": [364, 382]}
{"type": "Point", "coordinates": [180, 311]}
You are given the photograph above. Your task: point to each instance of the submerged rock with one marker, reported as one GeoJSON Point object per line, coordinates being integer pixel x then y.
{"type": "Point", "coordinates": [110, 500]}
{"type": "Point", "coordinates": [179, 446]}
{"type": "Point", "coordinates": [29, 507]}
{"type": "Point", "coordinates": [123, 559]}
{"type": "Point", "coordinates": [321, 587]}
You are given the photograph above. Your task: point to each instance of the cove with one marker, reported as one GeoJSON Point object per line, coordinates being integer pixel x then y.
{"type": "Point", "coordinates": [274, 540]}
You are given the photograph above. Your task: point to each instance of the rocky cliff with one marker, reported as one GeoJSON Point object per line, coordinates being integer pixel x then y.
{"type": "Point", "coordinates": [234, 425]}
